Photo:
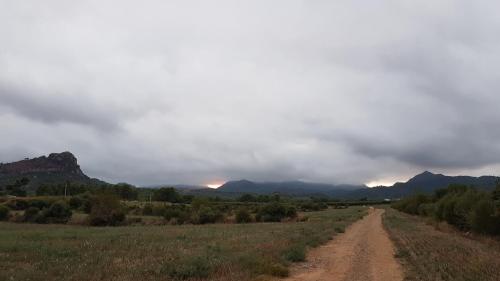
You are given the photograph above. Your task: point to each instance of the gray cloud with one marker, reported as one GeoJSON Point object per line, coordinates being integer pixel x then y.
{"type": "Point", "coordinates": [196, 92]}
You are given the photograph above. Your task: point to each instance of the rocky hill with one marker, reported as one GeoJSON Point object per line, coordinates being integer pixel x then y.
{"type": "Point", "coordinates": [55, 168]}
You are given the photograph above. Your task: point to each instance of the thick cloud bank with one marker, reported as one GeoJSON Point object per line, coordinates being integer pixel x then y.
{"type": "Point", "coordinates": [203, 91]}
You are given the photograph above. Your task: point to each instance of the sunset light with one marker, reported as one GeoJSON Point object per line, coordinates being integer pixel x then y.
{"type": "Point", "coordinates": [214, 185]}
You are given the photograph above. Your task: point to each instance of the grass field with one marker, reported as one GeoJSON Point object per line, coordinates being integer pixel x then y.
{"type": "Point", "coordinates": [215, 252]}
{"type": "Point", "coordinates": [431, 254]}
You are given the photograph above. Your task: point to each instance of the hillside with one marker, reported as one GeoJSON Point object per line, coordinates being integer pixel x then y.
{"type": "Point", "coordinates": [297, 188]}
{"type": "Point", "coordinates": [55, 168]}
{"type": "Point", "coordinates": [425, 182]}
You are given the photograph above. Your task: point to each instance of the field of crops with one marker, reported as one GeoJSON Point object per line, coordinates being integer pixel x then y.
{"type": "Point", "coordinates": [193, 252]}
{"type": "Point", "coordinates": [431, 254]}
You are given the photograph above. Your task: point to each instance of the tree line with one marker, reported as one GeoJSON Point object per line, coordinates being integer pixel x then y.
{"type": "Point", "coordinates": [462, 206]}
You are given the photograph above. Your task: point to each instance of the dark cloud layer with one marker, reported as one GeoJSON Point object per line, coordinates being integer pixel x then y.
{"type": "Point", "coordinates": [197, 92]}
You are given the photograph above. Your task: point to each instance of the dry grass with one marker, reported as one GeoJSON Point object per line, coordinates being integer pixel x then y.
{"type": "Point", "coordinates": [428, 253]}
{"type": "Point", "coordinates": [215, 252]}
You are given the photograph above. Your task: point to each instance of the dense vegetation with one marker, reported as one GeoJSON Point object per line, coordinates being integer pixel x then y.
{"type": "Point", "coordinates": [123, 190]}
{"type": "Point", "coordinates": [107, 207]}
{"type": "Point", "coordinates": [16, 188]}
{"type": "Point", "coordinates": [464, 207]}
{"type": "Point", "coordinates": [124, 204]}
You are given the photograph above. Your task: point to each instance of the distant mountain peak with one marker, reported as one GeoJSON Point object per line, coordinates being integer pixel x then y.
{"type": "Point", "coordinates": [64, 162]}
{"type": "Point", "coordinates": [54, 168]}
{"type": "Point", "coordinates": [426, 175]}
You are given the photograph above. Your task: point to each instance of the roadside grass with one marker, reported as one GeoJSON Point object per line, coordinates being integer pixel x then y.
{"type": "Point", "coordinates": [185, 252]}
{"type": "Point", "coordinates": [430, 254]}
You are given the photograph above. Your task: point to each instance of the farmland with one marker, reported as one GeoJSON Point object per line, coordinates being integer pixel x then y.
{"type": "Point", "coordinates": [169, 252]}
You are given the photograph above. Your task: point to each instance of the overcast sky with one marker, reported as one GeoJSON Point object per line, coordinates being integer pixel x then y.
{"type": "Point", "coordinates": [197, 92]}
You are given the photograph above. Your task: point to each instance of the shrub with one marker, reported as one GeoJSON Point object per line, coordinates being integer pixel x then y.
{"type": "Point", "coordinates": [38, 203]}
{"type": "Point", "coordinates": [189, 268]}
{"type": "Point", "coordinates": [458, 205]}
{"type": "Point", "coordinates": [158, 210]}
{"type": "Point", "coordinates": [106, 210]}
{"type": "Point", "coordinates": [147, 210]}
{"type": "Point", "coordinates": [426, 209]}
{"type": "Point", "coordinates": [339, 229]}
{"type": "Point", "coordinates": [313, 206]}
{"type": "Point", "coordinates": [4, 213]}
{"type": "Point", "coordinates": [75, 202]}
{"type": "Point", "coordinates": [18, 204]}
{"type": "Point", "coordinates": [481, 218]}
{"type": "Point", "coordinates": [58, 212]}
{"type": "Point", "coordinates": [199, 202]}
{"type": "Point", "coordinates": [31, 214]}
{"type": "Point", "coordinates": [207, 215]}
{"type": "Point", "coordinates": [273, 212]}
{"type": "Point", "coordinates": [243, 216]}
{"type": "Point", "coordinates": [296, 253]}
{"type": "Point", "coordinates": [86, 205]}
{"type": "Point", "coordinates": [291, 212]}
{"type": "Point", "coordinates": [180, 213]}
{"type": "Point", "coordinates": [247, 198]}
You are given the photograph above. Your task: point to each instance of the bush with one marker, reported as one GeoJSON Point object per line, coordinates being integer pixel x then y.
{"type": "Point", "coordinates": [458, 205]}
{"type": "Point", "coordinates": [106, 210]}
{"type": "Point", "coordinates": [313, 206]}
{"type": "Point", "coordinates": [426, 209]}
{"type": "Point", "coordinates": [243, 216]}
{"type": "Point", "coordinates": [75, 202]}
{"type": "Point", "coordinates": [291, 212]}
{"type": "Point", "coordinates": [18, 204]}
{"type": "Point", "coordinates": [158, 210]}
{"type": "Point", "coordinates": [247, 198]}
{"type": "Point", "coordinates": [207, 215]}
{"type": "Point", "coordinates": [189, 268]}
{"type": "Point", "coordinates": [31, 214]}
{"type": "Point", "coordinates": [147, 210]}
{"type": "Point", "coordinates": [38, 203]}
{"type": "Point", "coordinates": [4, 213]}
{"type": "Point", "coordinates": [59, 212]}
{"type": "Point", "coordinates": [296, 253]}
{"type": "Point", "coordinates": [339, 229]}
{"type": "Point", "coordinates": [482, 218]}
{"type": "Point", "coordinates": [180, 213]}
{"type": "Point", "coordinates": [275, 212]}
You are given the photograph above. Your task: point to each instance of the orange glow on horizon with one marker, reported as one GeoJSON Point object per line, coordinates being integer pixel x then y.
{"type": "Point", "coordinates": [379, 183]}
{"type": "Point", "coordinates": [214, 185]}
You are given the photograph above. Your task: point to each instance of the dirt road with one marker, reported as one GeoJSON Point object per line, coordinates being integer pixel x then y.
{"type": "Point", "coordinates": [363, 253]}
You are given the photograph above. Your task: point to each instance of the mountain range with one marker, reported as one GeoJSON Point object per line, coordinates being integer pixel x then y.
{"type": "Point", "coordinates": [425, 182]}
{"type": "Point", "coordinates": [63, 167]}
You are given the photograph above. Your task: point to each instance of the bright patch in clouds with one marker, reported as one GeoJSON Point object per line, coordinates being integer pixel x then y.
{"type": "Point", "coordinates": [379, 183]}
{"type": "Point", "coordinates": [214, 185]}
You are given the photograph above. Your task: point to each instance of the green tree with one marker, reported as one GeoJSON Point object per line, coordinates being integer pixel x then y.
{"type": "Point", "coordinates": [106, 210]}
{"type": "Point", "coordinates": [167, 194]}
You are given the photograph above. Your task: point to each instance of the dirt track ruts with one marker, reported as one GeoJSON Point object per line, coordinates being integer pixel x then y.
{"type": "Point", "coordinates": [363, 253]}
